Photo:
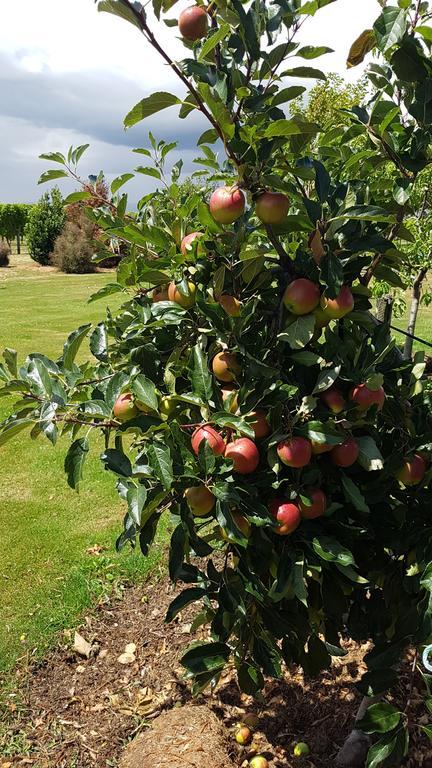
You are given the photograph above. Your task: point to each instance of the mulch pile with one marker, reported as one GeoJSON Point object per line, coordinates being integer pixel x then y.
{"type": "Point", "coordinates": [80, 712]}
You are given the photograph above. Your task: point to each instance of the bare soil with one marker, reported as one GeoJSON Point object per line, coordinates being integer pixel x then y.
{"type": "Point", "coordinates": [76, 712]}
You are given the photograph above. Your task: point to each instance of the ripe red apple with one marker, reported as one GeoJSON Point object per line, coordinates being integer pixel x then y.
{"type": "Point", "coordinates": [345, 454]}
{"type": "Point", "coordinates": [333, 399]}
{"type": "Point", "coordinates": [259, 762]}
{"type": "Point", "coordinates": [227, 204]}
{"type": "Point", "coordinates": [364, 397]}
{"type": "Point", "coordinates": [319, 448]}
{"type": "Point", "coordinates": [340, 306]}
{"type": "Point", "coordinates": [243, 735]}
{"type": "Point", "coordinates": [160, 293]}
{"type": "Point", "coordinates": [200, 500]}
{"type": "Point", "coordinates": [244, 454]}
{"type": "Point", "coordinates": [231, 305]}
{"type": "Point", "coordinates": [188, 240]}
{"type": "Point", "coordinates": [226, 366]}
{"type": "Point", "coordinates": [185, 301]}
{"type": "Point", "coordinates": [193, 23]}
{"type": "Point", "coordinates": [272, 207]}
{"type": "Point", "coordinates": [124, 407]}
{"type": "Point", "coordinates": [318, 504]}
{"type": "Point", "coordinates": [301, 296]}
{"type": "Point", "coordinates": [230, 391]}
{"type": "Point", "coordinates": [213, 439]}
{"type": "Point", "coordinates": [413, 470]}
{"type": "Point", "coordinates": [286, 514]}
{"type": "Point", "coordinates": [296, 452]}
{"type": "Point", "coordinates": [242, 524]}
{"type": "Point", "coordinates": [259, 424]}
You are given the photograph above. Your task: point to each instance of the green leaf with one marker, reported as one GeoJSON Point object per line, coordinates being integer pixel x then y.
{"type": "Point", "coordinates": [106, 290]}
{"type": "Point", "coordinates": [76, 197]}
{"type": "Point", "coordinates": [329, 549]}
{"type": "Point", "coordinates": [305, 72]}
{"type": "Point", "coordinates": [116, 461]}
{"type": "Point", "coordinates": [218, 109]}
{"type": "Point", "coordinates": [390, 27]}
{"type": "Point", "coordinates": [321, 432]}
{"type": "Point", "coordinates": [381, 750]}
{"type": "Point", "coordinates": [14, 427]}
{"type": "Point", "coordinates": [51, 176]}
{"type": "Point", "coordinates": [148, 171]}
{"type": "Point", "coordinates": [185, 598]}
{"type": "Point", "coordinates": [290, 128]}
{"type": "Point", "coordinates": [332, 274]}
{"type": "Point", "coordinates": [377, 681]}
{"type": "Point", "coordinates": [353, 495]}
{"type": "Point", "coordinates": [72, 345]}
{"type": "Point", "coordinates": [199, 374]}
{"type": "Point", "coordinates": [119, 8]}
{"type": "Point", "coordinates": [326, 379]}
{"type": "Point", "coordinates": [10, 358]}
{"type": "Point", "coordinates": [365, 213]}
{"type": "Point", "coordinates": [299, 332]}
{"type": "Point", "coordinates": [312, 6]}
{"type": "Point", "coordinates": [159, 458]}
{"type": "Point", "coordinates": [425, 32]}
{"type": "Point", "coordinates": [287, 94]}
{"type": "Point", "coordinates": [75, 460]}
{"type": "Point", "coordinates": [145, 391]}
{"type": "Point", "coordinates": [149, 106]}
{"type": "Point", "coordinates": [250, 679]}
{"type": "Point", "coordinates": [370, 457]}
{"type": "Point", "coordinates": [313, 51]}
{"type": "Point", "coordinates": [119, 181]}
{"type": "Point", "coordinates": [379, 718]}
{"type": "Point", "coordinates": [213, 40]}
{"type": "Point", "coordinates": [204, 657]}
{"type": "Point", "coordinates": [99, 342]}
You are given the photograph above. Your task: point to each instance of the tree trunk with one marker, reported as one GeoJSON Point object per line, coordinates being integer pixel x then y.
{"type": "Point", "coordinates": [18, 239]}
{"type": "Point", "coordinates": [415, 302]}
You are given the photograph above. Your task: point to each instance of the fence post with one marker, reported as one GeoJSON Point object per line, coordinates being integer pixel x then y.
{"type": "Point", "coordinates": [385, 308]}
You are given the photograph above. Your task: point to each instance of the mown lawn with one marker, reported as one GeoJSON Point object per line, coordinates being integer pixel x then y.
{"type": "Point", "coordinates": [48, 570]}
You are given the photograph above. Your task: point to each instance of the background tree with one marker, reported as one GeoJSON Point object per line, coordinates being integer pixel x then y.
{"type": "Point", "coordinates": [327, 103]}
{"type": "Point", "coordinates": [244, 385]}
{"type": "Point", "coordinates": [45, 222]}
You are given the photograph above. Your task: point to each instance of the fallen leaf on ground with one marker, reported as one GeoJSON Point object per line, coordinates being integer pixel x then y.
{"type": "Point", "coordinates": [81, 646]}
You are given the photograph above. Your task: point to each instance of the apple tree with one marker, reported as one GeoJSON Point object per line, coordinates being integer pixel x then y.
{"type": "Point", "coordinates": [244, 387]}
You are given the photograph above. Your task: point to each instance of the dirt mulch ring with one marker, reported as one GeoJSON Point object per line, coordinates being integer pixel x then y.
{"type": "Point", "coordinates": [79, 712]}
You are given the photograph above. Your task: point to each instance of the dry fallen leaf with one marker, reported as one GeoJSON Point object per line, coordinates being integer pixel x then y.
{"type": "Point", "coordinates": [126, 658]}
{"type": "Point", "coordinates": [130, 648]}
{"type": "Point", "coordinates": [81, 646]}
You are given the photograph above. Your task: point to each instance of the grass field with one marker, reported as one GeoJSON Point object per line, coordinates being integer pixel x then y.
{"type": "Point", "coordinates": [48, 573]}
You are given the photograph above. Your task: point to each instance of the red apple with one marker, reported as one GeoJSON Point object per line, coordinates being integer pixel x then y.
{"type": "Point", "coordinates": [231, 305]}
{"type": "Point", "coordinates": [230, 391]}
{"type": "Point", "coordinates": [364, 397]}
{"type": "Point", "coordinates": [318, 504]}
{"type": "Point", "coordinates": [296, 452]}
{"type": "Point", "coordinates": [272, 207]}
{"type": "Point", "coordinates": [213, 439]}
{"type": "Point", "coordinates": [125, 408]}
{"type": "Point", "coordinates": [187, 242]}
{"type": "Point", "coordinates": [340, 306]}
{"type": "Point", "coordinates": [226, 366]}
{"type": "Point", "coordinates": [160, 293]}
{"type": "Point", "coordinates": [345, 454]}
{"type": "Point", "coordinates": [174, 294]}
{"type": "Point", "coordinates": [333, 399]}
{"type": "Point", "coordinates": [413, 470]}
{"type": "Point", "coordinates": [227, 204]}
{"type": "Point", "coordinates": [286, 514]}
{"type": "Point", "coordinates": [200, 500]}
{"type": "Point", "coordinates": [301, 296]}
{"type": "Point", "coordinates": [244, 454]}
{"type": "Point", "coordinates": [244, 735]}
{"type": "Point", "coordinates": [259, 424]}
{"type": "Point", "coordinates": [193, 23]}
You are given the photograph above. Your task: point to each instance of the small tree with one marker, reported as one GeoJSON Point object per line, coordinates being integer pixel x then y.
{"type": "Point", "coordinates": [244, 384]}
{"type": "Point", "coordinates": [45, 222]}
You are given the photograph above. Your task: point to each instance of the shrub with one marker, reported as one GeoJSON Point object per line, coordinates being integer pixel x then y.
{"type": "Point", "coordinates": [74, 247]}
{"type": "Point", "coordinates": [45, 222]}
{"type": "Point", "coordinates": [4, 254]}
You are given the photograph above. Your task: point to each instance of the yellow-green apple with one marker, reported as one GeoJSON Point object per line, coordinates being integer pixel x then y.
{"type": "Point", "coordinates": [272, 207]}
{"type": "Point", "coordinates": [301, 749]}
{"type": "Point", "coordinates": [242, 524]}
{"type": "Point", "coordinates": [227, 204]}
{"type": "Point", "coordinates": [337, 308]}
{"type": "Point", "coordinates": [364, 397]}
{"type": "Point", "coordinates": [244, 455]}
{"type": "Point", "coordinates": [174, 294]}
{"type": "Point", "coordinates": [287, 515]}
{"type": "Point", "coordinates": [187, 242]}
{"type": "Point", "coordinates": [301, 296]}
{"type": "Point", "coordinates": [345, 454]}
{"type": "Point", "coordinates": [333, 399]}
{"type": "Point", "coordinates": [295, 452]}
{"type": "Point", "coordinates": [125, 407]}
{"type": "Point", "coordinates": [317, 505]}
{"type": "Point", "coordinates": [259, 761]}
{"type": "Point", "coordinates": [200, 500]}
{"type": "Point", "coordinates": [229, 393]}
{"type": "Point", "coordinates": [319, 448]}
{"type": "Point", "coordinates": [230, 305]}
{"type": "Point", "coordinates": [413, 470]}
{"type": "Point", "coordinates": [258, 421]}
{"type": "Point", "coordinates": [193, 23]}
{"type": "Point", "coordinates": [243, 736]}
{"type": "Point", "coordinates": [213, 439]}
{"type": "Point", "coordinates": [226, 366]}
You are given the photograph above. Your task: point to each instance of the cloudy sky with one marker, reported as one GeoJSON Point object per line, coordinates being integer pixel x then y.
{"type": "Point", "coordinates": [68, 75]}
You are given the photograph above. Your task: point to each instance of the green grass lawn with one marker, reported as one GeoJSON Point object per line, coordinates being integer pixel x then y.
{"type": "Point", "coordinates": [47, 575]}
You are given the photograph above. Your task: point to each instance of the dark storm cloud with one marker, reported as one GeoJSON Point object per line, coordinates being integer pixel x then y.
{"type": "Point", "coordinates": [91, 103]}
